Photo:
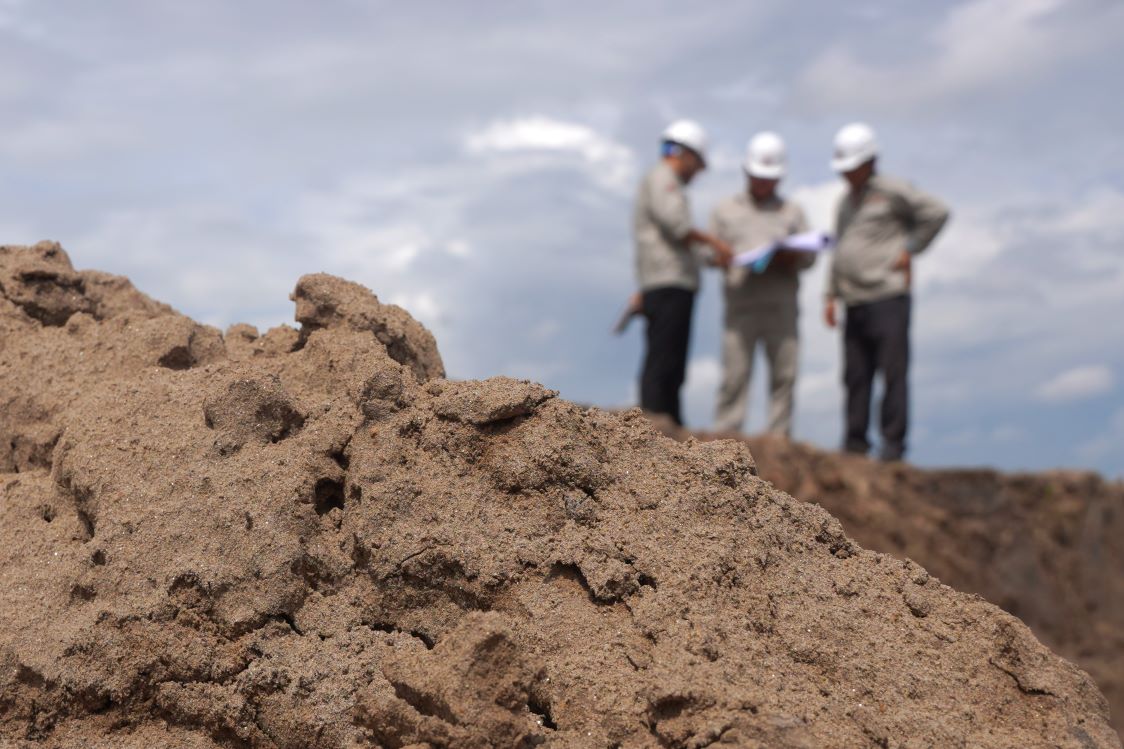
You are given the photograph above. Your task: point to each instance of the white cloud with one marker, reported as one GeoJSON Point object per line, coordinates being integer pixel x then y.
{"type": "Point", "coordinates": [46, 141]}
{"type": "Point", "coordinates": [422, 305]}
{"type": "Point", "coordinates": [990, 41]}
{"type": "Point", "coordinates": [611, 163]}
{"type": "Point", "coordinates": [380, 226]}
{"type": "Point", "coordinates": [722, 159]}
{"type": "Point", "coordinates": [1007, 269]}
{"type": "Point", "coordinates": [970, 242]}
{"type": "Point", "coordinates": [980, 45]}
{"type": "Point", "coordinates": [12, 20]}
{"type": "Point", "coordinates": [1076, 384]}
{"type": "Point", "coordinates": [818, 391]}
{"type": "Point", "coordinates": [752, 89]}
{"type": "Point", "coordinates": [214, 159]}
{"type": "Point", "coordinates": [209, 261]}
{"type": "Point", "coordinates": [458, 248]}
{"type": "Point", "coordinates": [370, 249]}
{"type": "Point", "coordinates": [398, 257]}
{"type": "Point", "coordinates": [1099, 213]}
{"type": "Point", "coordinates": [698, 396]}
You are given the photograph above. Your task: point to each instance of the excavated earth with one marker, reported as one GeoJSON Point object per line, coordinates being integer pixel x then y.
{"type": "Point", "coordinates": [310, 538]}
{"type": "Point", "coordinates": [1048, 548]}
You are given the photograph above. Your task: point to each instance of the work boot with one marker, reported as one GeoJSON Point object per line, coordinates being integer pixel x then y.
{"type": "Point", "coordinates": [892, 454]}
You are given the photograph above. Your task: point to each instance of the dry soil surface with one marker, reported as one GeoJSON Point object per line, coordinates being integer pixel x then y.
{"type": "Point", "coordinates": [309, 538]}
{"type": "Point", "coordinates": [1048, 548]}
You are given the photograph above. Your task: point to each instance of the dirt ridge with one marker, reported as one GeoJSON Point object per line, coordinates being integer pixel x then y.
{"type": "Point", "coordinates": [1045, 547]}
{"type": "Point", "coordinates": [309, 538]}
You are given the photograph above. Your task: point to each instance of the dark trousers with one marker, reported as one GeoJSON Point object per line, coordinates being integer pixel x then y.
{"type": "Point", "coordinates": [876, 339]}
{"type": "Point", "coordinates": [668, 311]}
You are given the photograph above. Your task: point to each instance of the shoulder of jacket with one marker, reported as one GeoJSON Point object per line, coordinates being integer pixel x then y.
{"type": "Point", "coordinates": [892, 185]}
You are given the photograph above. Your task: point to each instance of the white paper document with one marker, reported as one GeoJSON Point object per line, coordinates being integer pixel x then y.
{"type": "Point", "coordinates": [759, 257]}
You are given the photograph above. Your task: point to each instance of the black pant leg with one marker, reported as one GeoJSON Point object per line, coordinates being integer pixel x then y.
{"type": "Point", "coordinates": [652, 374]}
{"type": "Point", "coordinates": [892, 326]}
{"type": "Point", "coordinates": [681, 335]}
{"type": "Point", "coordinates": [668, 311]}
{"type": "Point", "coordinates": [858, 376]}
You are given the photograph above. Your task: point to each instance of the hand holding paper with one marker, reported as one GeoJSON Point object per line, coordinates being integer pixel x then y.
{"type": "Point", "coordinates": [758, 258]}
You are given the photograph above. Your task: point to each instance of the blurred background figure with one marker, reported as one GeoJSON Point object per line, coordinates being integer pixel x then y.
{"type": "Point", "coordinates": [215, 151]}
{"type": "Point", "coordinates": [882, 223]}
{"type": "Point", "coordinates": [667, 266]}
{"type": "Point", "coordinates": [760, 308]}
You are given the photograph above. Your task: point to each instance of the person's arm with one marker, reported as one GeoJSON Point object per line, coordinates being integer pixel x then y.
{"type": "Point", "coordinates": [723, 252]}
{"type": "Point", "coordinates": [923, 214]}
{"type": "Point", "coordinates": [717, 231]}
{"type": "Point", "coordinates": [673, 214]}
{"type": "Point", "coordinates": [633, 308]}
{"type": "Point", "coordinates": [831, 294]}
{"type": "Point", "coordinates": [670, 210]}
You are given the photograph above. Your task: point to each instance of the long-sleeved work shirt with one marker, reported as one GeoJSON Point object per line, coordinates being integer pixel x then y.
{"type": "Point", "coordinates": [746, 224]}
{"type": "Point", "coordinates": [661, 223]}
{"type": "Point", "coordinates": [873, 227]}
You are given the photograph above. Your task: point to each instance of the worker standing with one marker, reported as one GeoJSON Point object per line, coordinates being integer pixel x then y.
{"type": "Point", "coordinates": [882, 224]}
{"type": "Point", "coordinates": [667, 265]}
{"type": "Point", "coordinates": [760, 308]}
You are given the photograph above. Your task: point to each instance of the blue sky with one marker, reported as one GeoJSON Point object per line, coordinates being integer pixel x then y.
{"type": "Point", "coordinates": [476, 163]}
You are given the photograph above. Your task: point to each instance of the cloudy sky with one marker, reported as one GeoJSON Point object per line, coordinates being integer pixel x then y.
{"type": "Point", "coordinates": [475, 162]}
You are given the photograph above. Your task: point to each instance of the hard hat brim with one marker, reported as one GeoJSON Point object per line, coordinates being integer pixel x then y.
{"type": "Point", "coordinates": [845, 164]}
{"type": "Point", "coordinates": [764, 171]}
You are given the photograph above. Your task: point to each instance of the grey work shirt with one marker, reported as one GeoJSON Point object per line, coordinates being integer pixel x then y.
{"type": "Point", "coordinates": [661, 223]}
{"type": "Point", "coordinates": [872, 229]}
{"type": "Point", "coordinates": [745, 224]}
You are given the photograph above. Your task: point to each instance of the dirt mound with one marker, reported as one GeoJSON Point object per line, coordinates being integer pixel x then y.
{"type": "Point", "coordinates": [1047, 547]}
{"type": "Point", "coordinates": [62, 331]}
{"type": "Point", "coordinates": [327, 545]}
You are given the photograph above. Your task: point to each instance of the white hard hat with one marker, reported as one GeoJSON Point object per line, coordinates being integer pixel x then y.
{"type": "Point", "coordinates": [854, 146]}
{"type": "Point", "coordinates": [765, 156]}
{"type": "Point", "coordinates": [689, 134]}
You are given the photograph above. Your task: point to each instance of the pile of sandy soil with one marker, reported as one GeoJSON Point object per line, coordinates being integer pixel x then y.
{"type": "Point", "coordinates": [1048, 548]}
{"type": "Point", "coordinates": [309, 538]}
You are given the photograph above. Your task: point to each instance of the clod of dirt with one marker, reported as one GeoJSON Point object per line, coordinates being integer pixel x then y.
{"type": "Point", "coordinates": [489, 401]}
{"type": "Point", "coordinates": [243, 341]}
{"type": "Point", "coordinates": [42, 283]}
{"type": "Point", "coordinates": [63, 330]}
{"type": "Point", "coordinates": [472, 690]}
{"type": "Point", "coordinates": [387, 574]}
{"type": "Point", "coordinates": [325, 301]}
{"type": "Point", "coordinates": [256, 410]}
